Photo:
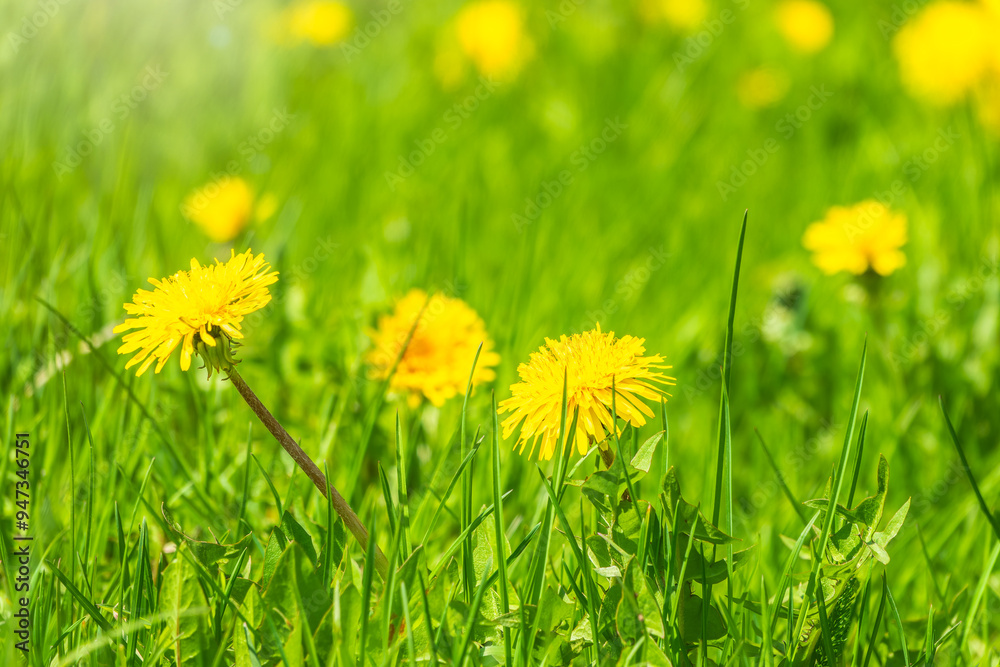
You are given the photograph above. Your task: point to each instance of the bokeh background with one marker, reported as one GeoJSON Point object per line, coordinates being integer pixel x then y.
{"type": "Point", "coordinates": [594, 168]}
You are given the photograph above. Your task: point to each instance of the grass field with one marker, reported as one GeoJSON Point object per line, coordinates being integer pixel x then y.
{"type": "Point", "coordinates": [557, 168]}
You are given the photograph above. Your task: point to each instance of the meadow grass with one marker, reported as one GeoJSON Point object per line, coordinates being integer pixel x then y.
{"type": "Point", "coordinates": [170, 528]}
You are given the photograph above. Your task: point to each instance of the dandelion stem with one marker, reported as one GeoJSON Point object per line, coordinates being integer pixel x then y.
{"type": "Point", "coordinates": [303, 461]}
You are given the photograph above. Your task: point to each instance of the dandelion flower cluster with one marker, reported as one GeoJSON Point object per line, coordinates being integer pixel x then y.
{"type": "Point", "coordinates": [200, 308]}
{"type": "Point", "coordinates": [590, 362]}
{"type": "Point", "coordinates": [856, 238]}
{"type": "Point", "coordinates": [321, 22]}
{"type": "Point", "coordinates": [438, 359]}
{"type": "Point", "coordinates": [949, 50]}
{"type": "Point", "coordinates": [806, 25]}
{"type": "Point", "coordinates": [224, 207]}
{"type": "Point", "coordinates": [491, 34]}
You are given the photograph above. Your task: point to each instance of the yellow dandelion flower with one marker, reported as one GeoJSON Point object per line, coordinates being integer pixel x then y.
{"type": "Point", "coordinates": [193, 309]}
{"type": "Point", "coordinates": [221, 208]}
{"type": "Point", "coordinates": [856, 238]}
{"type": "Point", "coordinates": [761, 87]}
{"type": "Point", "coordinates": [946, 50]}
{"type": "Point", "coordinates": [438, 359]}
{"type": "Point", "coordinates": [590, 361]}
{"type": "Point", "coordinates": [491, 34]}
{"type": "Point", "coordinates": [321, 22]}
{"type": "Point", "coordinates": [806, 25]}
{"type": "Point", "coordinates": [683, 15]}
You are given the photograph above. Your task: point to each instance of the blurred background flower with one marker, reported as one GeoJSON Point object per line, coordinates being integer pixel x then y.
{"type": "Point", "coordinates": [439, 357]}
{"type": "Point", "coordinates": [807, 25]}
{"type": "Point", "coordinates": [858, 238]}
{"type": "Point", "coordinates": [224, 207]}
{"type": "Point", "coordinates": [491, 33]}
{"type": "Point", "coordinates": [321, 22]}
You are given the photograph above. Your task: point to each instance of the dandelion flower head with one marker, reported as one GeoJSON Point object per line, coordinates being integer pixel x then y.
{"type": "Point", "coordinates": [439, 357]}
{"type": "Point", "coordinates": [856, 238]}
{"type": "Point", "coordinates": [202, 306]}
{"type": "Point", "coordinates": [221, 208]}
{"type": "Point", "coordinates": [947, 49]}
{"type": "Point", "coordinates": [322, 22]}
{"type": "Point", "coordinates": [491, 34]}
{"type": "Point", "coordinates": [807, 25]}
{"type": "Point", "coordinates": [590, 362]}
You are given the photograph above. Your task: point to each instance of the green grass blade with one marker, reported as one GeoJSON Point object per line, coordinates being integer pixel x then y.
{"type": "Point", "coordinates": [501, 538]}
{"type": "Point", "coordinates": [366, 589]}
{"type": "Point", "coordinates": [401, 495]}
{"type": "Point", "coordinates": [468, 566]}
{"type": "Point", "coordinates": [87, 605]}
{"type": "Point", "coordinates": [796, 505]}
{"type": "Point", "coordinates": [270, 484]}
{"type": "Point", "coordinates": [838, 483]}
{"type": "Point", "coordinates": [451, 486]}
{"type": "Point", "coordinates": [899, 621]}
{"type": "Point", "coordinates": [878, 623]}
{"type": "Point", "coordinates": [994, 523]}
{"type": "Point", "coordinates": [410, 649]}
{"type": "Point", "coordinates": [727, 372]}
{"type": "Point", "coordinates": [857, 459]}
{"type": "Point", "coordinates": [462, 648]}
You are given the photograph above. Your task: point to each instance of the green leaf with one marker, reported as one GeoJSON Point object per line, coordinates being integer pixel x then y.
{"type": "Point", "coordinates": [207, 553]}
{"type": "Point", "coordinates": [683, 514]}
{"type": "Point", "coordinates": [643, 458]}
{"type": "Point", "coordinates": [295, 593]}
{"type": "Point", "coordinates": [183, 600]}
{"type": "Point", "coordinates": [275, 547]}
{"type": "Point", "coordinates": [295, 532]}
{"type": "Point", "coordinates": [603, 482]}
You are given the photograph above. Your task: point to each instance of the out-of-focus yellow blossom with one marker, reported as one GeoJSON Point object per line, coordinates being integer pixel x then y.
{"type": "Point", "coordinates": [806, 25]}
{"type": "Point", "coordinates": [856, 238]}
{"type": "Point", "coordinates": [491, 33]}
{"type": "Point", "coordinates": [322, 22]}
{"type": "Point", "coordinates": [947, 49]}
{"type": "Point", "coordinates": [761, 87]}
{"type": "Point", "coordinates": [224, 207]}
{"type": "Point", "coordinates": [683, 15]}
{"type": "Point", "coordinates": [591, 364]}
{"type": "Point", "coordinates": [438, 359]}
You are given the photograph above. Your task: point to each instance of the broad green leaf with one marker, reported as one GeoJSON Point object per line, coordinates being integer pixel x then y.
{"type": "Point", "coordinates": [183, 600]}
{"type": "Point", "coordinates": [643, 458]}
{"type": "Point", "coordinates": [293, 530]}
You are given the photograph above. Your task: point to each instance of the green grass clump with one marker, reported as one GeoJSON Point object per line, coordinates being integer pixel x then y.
{"type": "Point", "coordinates": [751, 522]}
